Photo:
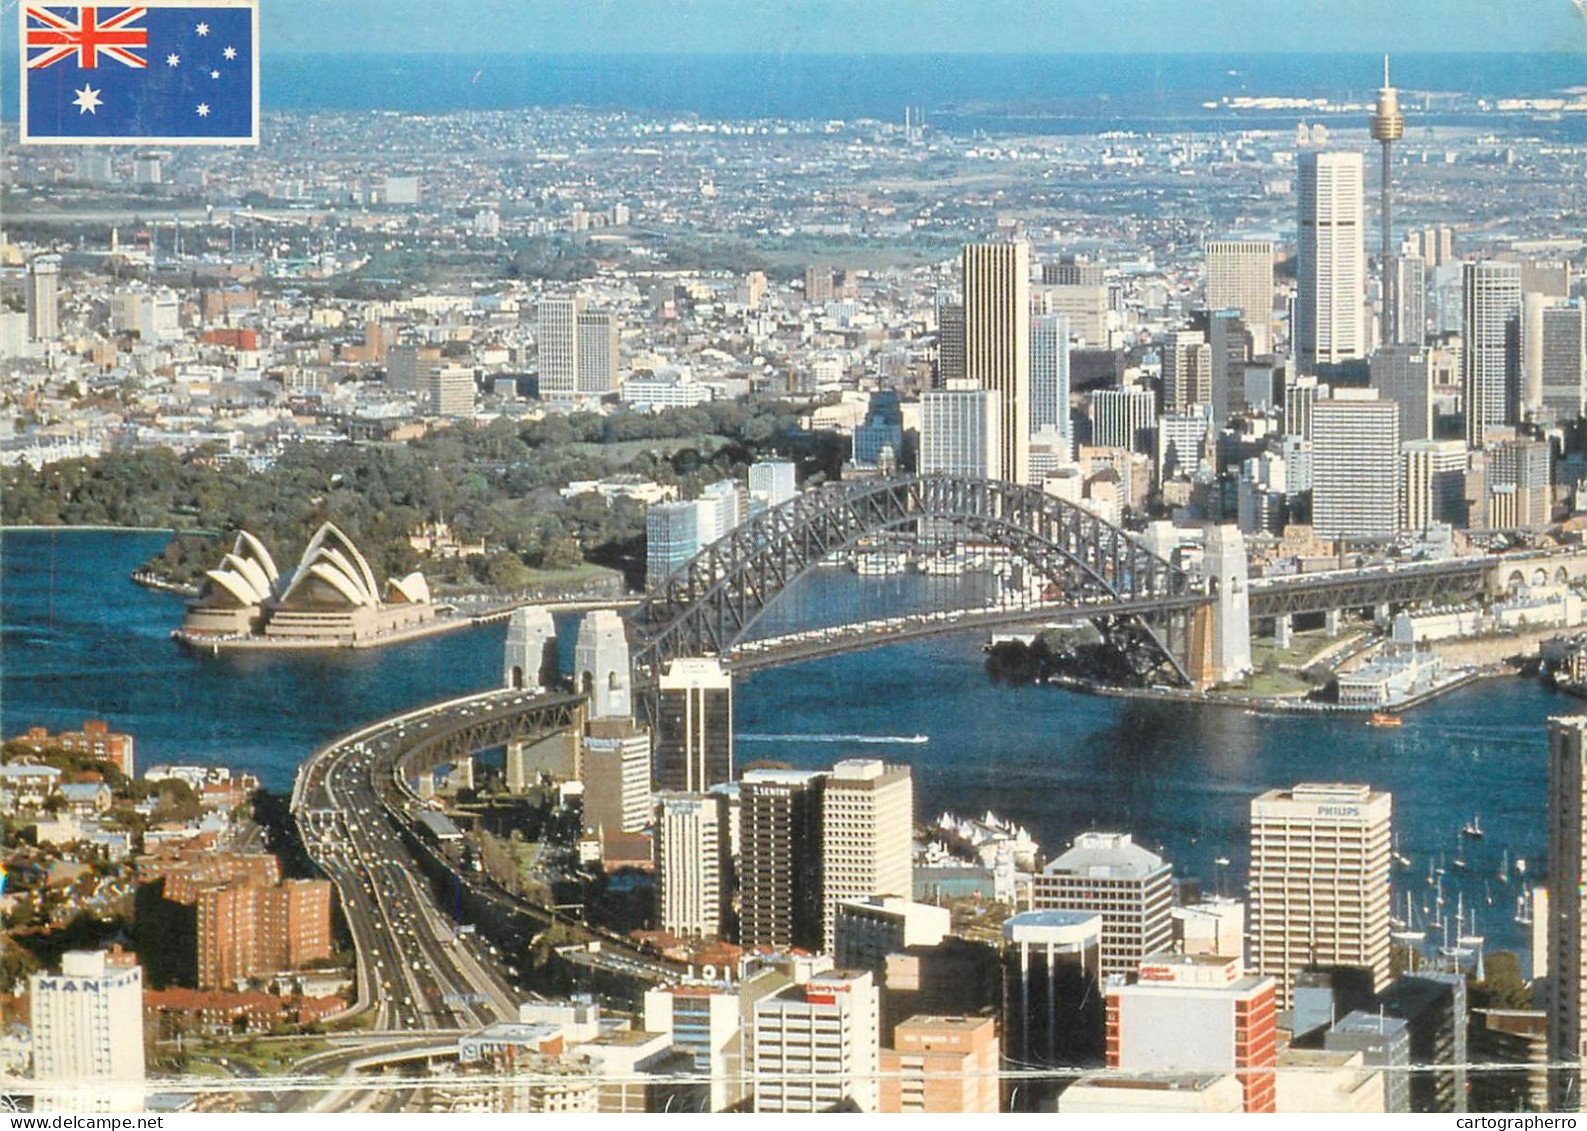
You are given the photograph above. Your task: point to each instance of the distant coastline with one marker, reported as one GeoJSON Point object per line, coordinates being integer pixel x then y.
{"type": "Point", "coordinates": [96, 528]}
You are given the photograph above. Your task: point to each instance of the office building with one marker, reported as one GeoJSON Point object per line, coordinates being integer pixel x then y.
{"type": "Point", "coordinates": [672, 538]}
{"type": "Point", "coordinates": [614, 765]}
{"type": "Point", "coordinates": [450, 391]}
{"type": "Point", "coordinates": [1330, 317]}
{"type": "Point", "coordinates": [867, 826]}
{"type": "Point", "coordinates": [42, 299]}
{"type": "Point", "coordinates": [694, 725]}
{"type": "Point", "coordinates": [706, 1021]}
{"type": "Point", "coordinates": [600, 665]}
{"type": "Point", "coordinates": [1084, 306]}
{"type": "Point", "coordinates": [87, 1033]}
{"type": "Point", "coordinates": [942, 1066]}
{"type": "Point", "coordinates": [950, 341]}
{"type": "Point", "coordinates": [1401, 374]}
{"type": "Point", "coordinates": [1490, 355]}
{"type": "Point", "coordinates": [1072, 271]}
{"type": "Point", "coordinates": [1384, 1043]}
{"type": "Point", "coordinates": [1554, 356]}
{"type": "Point", "coordinates": [557, 338]}
{"type": "Point", "coordinates": [1052, 997]}
{"type": "Point", "coordinates": [1567, 909]}
{"type": "Point", "coordinates": [960, 433]}
{"type": "Point", "coordinates": [595, 352]}
{"type": "Point", "coordinates": [1184, 442]}
{"type": "Point", "coordinates": [693, 864]}
{"type": "Point", "coordinates": [1434, 486]}
{"type": "Point", "coordinates": [409, 367]}
{"type": "Point", "coordinates": [815, 1046]}
{"type": "Point", "coordinates": [1187, 371]}
{"type": "Point", "coordinates": [1410, 300]}
{"type": "Point", "coordinates": [1124, 418]}
{"type": "Point", "coordinates": [1153, 1094]}
{"type": "Point", "coordinates": [1197, 1013]}
{"type": "Point", "coordinates": [1320, 881]}
{"type": "Point", "coordinates": [1519, 473]}
{"type": "Point", "coordinates": [866, 931]}
{"type": "Point", "coordinates": [1229, 344]}
{"type": "Point", "coordinates": [1049, 374]}
{"type": "Point", "coordinates": [997, 343]}
{"type": "Point", "coordinates": [772, 482]}
{"type": "Point", "coordinates": [1301, 395]}
{"type": "Point", "coordinates": [1355, 449]}
{"type": "Point", "coordinates": [1240, 277]}
{"type": "Point", "coordinates": [780, 891]}
{"type": "Point", "coordinates": [1433, 1006]}
{"type": "Point", "coordinates": [1131, 888]}
{"type": "Point", "coordinates": [818, 283]}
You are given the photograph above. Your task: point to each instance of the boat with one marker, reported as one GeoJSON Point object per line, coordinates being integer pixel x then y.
{"type": "Point", "coordinates": [1407, 933]}
{"type": "Point", "coordinates": [1523, 909]}
{"type": "Point", "coordinates": [1504, 868]}
{"type": "Point", "coordinates": [1472, 829]}
{"type": "Point", "coordinates": [1384, 719]}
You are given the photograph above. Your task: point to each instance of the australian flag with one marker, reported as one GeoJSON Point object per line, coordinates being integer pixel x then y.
{"type": "Point", "coordinates": [155, 73]}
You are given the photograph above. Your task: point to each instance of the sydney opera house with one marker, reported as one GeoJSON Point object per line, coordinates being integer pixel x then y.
{"type": "Point", "coordinates": [330, 599]}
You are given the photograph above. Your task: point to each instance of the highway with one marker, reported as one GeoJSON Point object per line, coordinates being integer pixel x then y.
{"type": "Point", "coordinates": [414, 969]}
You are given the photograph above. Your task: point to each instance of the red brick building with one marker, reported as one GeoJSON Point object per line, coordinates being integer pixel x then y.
{"type": "Point", "coordinates": [95, 740]}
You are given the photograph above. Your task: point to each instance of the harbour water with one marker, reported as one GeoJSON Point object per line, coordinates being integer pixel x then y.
{"type": "Point", "coordinates": [77, 638]}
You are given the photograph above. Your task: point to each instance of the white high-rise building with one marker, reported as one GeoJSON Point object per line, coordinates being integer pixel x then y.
{"type": "Point", "coordinates": [960, 433]}
{"type": "Point", "coordinates": [1434, 484]}
{"type": "Point", "coordinates": [867, 826]}
{"type": "Point", "coordinates": [692, 864]}
{"type": "Point", "coordinates": [772, 482]}
{"type": "Point", "coordinates": [1049, 375]}
{"type": "Point", "coordinates": [997, 343]}
{"type": "Point", "coordinates": [1123, 418]}
{"type": "Point", "coordinates": [87, 1029]}
{"type": "Point", "coordinates": [1490, 355]}
{"type": "Point", "coordinates": [600, 665]}
{"type": "Point", "coordinates": [1320, 881]}
{"type": "Point", "coordinates": [1240, 277]}
{"type": "Point", "coordinates": [818, 1044]}
{"type": "Point", "coordinates": [1330, 299]}
{"type": "Point", "coordinates": [1355, 437]}
{"type": "Point", "coordinates": [1566, 907]}
{"type": "Point", "coordinates": [450, 390]}
{"type": "Point", "coordinates": [557, 336]}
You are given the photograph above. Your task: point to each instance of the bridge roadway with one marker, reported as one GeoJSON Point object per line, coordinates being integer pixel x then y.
{"type": "Point", "coordinates": [414, 970]}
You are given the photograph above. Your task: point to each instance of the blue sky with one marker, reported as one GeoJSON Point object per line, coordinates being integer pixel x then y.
{"type": "Point", "coordinates": [872, 26]}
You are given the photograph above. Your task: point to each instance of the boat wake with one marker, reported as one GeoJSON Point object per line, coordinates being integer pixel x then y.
{"type": "Point", "coordinates": [874, 739]}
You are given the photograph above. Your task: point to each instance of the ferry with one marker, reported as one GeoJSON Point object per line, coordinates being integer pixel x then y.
{"type": "Point", "coordinates": [1384, 719]}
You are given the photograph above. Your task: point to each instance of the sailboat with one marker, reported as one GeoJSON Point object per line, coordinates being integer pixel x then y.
{"type": "Point", "coordinates": [1400, 858]}
{"type": "Point", "coordinates": [1408, 934]}
{"type": "Point", "coordinates": [1504, 868]}
{"type": "Point", "coordinates": [1459, 951]}
{"type": "Point", "coordinates": [1523, 908]}
{"type": "Point", "coordinates": [1473, 828]}
{"type": "Point", "coordinates": [1459, 859]}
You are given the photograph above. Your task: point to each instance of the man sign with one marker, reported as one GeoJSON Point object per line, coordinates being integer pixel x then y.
{"type": "Point", "coordinates": [161, 72]}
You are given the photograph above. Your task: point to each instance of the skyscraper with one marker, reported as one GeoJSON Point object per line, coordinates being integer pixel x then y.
{"type": "Point", "coordinates": [87, 1030]}
{"type": "Point", "coordinates": [614, 765]}
{"type": "Point", "coordinates": [1434, 485]}
{"type": "Point", "coordinates": [1355, 483]}
{"type": "Point", "coordinates": [693, 865]}
{"type": "Point", "coordinates": [1401, 374]}
{"type": "Point", "coordinates": [780, 859]}
{"type": "Point", "coordinates": [1240, 277]}
{"type": "Point", "coordinates": [1123, 418]}
{"type": "Point", "coordinates": [1320, 881]}
{"type": "Point", "coordinates": [1490, 346]}
{"type": "Point", "coordinates": [1567, 909]}
{"type": "Point", "coordinates": [816, 1045]}
{"type": "Point", "coordinates": [1410, 300]}
{"type": "Point", "coordinates": [1130, 887]}
{"type": "Point", "coordinates": [867, 826]}
{"type": "Point", "coordinates": [595, 354]}
{"type": "Point", "coordinates": [997, 342]}
{"type": "Point", "coordinates": [557, 337]}
{"type": "Point", "coordinates": [961, 433]}
{"type": "Point", "coordinates": [42, 298]}
{"type": "Point", "coordinates": [673, 535]}
{"type": "Point", "coordinates": [1329, 315]}
{"type": "Point", "coordinates": [1554, 355]}
{"type": "Point", "coordinates": [950, 341]}
{"type": "Point", "coordinates": [1187, 370]}
{"type": "Point", "coordinates": [1052, 995]}
{"type": "Point", "coordinates": [1387, 127]}
{"type": "Point", "coordinates": [694, 726]}
{"type": "Point", "coordinates": [1049, 374]}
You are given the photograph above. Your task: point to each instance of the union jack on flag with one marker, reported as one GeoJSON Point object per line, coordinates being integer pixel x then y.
{"type": "Point", "coordinates": [57, 39]}
{"type": "Point", "coordinates": [167, 72]}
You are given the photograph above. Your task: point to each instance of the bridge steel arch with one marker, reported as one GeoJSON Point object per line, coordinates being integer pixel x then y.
{"type": "Point", "coordinates": [708, 606]}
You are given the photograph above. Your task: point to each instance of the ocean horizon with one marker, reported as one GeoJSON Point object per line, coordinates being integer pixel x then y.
{"type": "Point", "coordinates": [960, 91]}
